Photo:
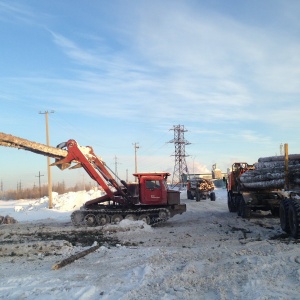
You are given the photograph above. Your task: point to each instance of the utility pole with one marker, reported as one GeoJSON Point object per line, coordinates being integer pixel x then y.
{"type": "Point", "coordinates": [136, 146]}
{"type": "Point", "coordinates": [46, 113]}
{"type": "Point", "coordinates": [286, 167]}
{"type": "Point", "coordinates": [116, 167]}
{"type": "Point", "coordinates": [83, 182]}
{"type": "Point", "coordinates": [40, 188]}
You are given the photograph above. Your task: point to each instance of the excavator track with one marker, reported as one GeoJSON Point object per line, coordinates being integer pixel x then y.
{"type": "Point", "coordinates": [96, 217]}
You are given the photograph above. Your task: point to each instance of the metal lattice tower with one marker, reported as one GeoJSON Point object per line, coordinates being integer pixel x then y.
{"type": "Point", "coordinates": [180, 167]}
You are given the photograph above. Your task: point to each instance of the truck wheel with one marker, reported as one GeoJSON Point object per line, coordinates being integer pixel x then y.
{"type": "Point", "coordinates": [77, 217]}
{"type": "Point", "coordinates": [275, 211]}
{"type": "Point", "coordinates": [197, 197]}
{"type": "Point", "coordinates": [284, 215]}
{"type": "Point", "coordinates": [238, 204]}
{"type": "Point", "coordinates": [90, 220]}
{"type": "Point", "coordinates": [115, 219]}
{"type": "Point", "coordinates": [294, 218]}
{"type": "Point", "coordinates": [245, 211]}
{"type": "Point", "coordinates": [102, 219]}
{"type": "Point", "coordinates": [230, 203]}
{"type": "Point", "coordinates": [131, 217]}
{"type": "Point", "coordinates": [189, 195]}
{"type": "Point", "coordinates": [212, 196]}
{"type": "Point", "coordinates": [144, 218]}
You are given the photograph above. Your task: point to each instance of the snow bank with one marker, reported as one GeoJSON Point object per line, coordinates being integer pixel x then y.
{"type": "Point", "coordinates": [33, 210]}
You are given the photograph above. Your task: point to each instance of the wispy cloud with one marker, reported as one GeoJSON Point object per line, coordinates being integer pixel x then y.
{"type": "Point", "coordinates": [191, 63]}
{"type": "Point", "coordinates": [20, 13]}
{"type": "Point", "coordinates": [192, 58]}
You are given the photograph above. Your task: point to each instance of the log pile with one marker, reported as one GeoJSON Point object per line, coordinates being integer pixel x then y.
{"type": "Point", "coordinates": [269, 174]}
{"type": "Point", "coordinates": [206, 185]}
{"type": "Point", "coordinates": [8, 140]}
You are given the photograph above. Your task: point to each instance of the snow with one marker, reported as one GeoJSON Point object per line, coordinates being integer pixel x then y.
{"type": "Point", "coordinates": [205, 253]}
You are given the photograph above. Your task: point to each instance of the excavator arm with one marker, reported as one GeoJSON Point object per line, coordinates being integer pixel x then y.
{"type": "Point", "coordinates": [96, 168]}
{"type": "Point", "coordinates": [70, 152]}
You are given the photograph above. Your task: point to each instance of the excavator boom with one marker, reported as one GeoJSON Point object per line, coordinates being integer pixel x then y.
{"type": "Point", "coordinates": [82, 156]}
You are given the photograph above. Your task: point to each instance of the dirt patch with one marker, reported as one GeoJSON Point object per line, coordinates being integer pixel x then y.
{"type": "Point", "coordinates": [18, 239]}
{"type": "Point", "coordinates": [243, 230]}
{"type": "Point", "coordinates": [285, 238]}
{"type": "Point", "coordinates": [79, 238]}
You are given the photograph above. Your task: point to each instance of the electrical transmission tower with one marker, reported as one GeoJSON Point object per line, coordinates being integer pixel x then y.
{"type": "Point", "coordinates": [116, 167]}
{"type": "Point", "coordinates": [180, 142]}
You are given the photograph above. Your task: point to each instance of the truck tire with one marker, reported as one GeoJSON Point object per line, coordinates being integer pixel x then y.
{"type": "Point", "coordinates": [244, 210]}
{"type": "Point", "coordinates": [294, 218]}
{"type": "Point", "coordinates": [284, 215]}
{"type": "Point", "coordinates": [212, 196]}
{"type": "Point", "coordinates": [197, 197]}
{"type": "Point", "coordinates": [189, 195]}
{"type": "Point", "coordinates": [275, 211]}
{"type": "Point", "coordinates": [231, 204]}
{"type": "Point", "coordinates": [237, 203]}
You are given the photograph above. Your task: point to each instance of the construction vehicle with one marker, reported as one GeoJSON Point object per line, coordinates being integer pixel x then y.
{"type": "Point", "coordinates": [200, 189]}
{"type": "Point", "coordinates": [263, 186]}
{"type": "Point", "coordinates": [149, 199]}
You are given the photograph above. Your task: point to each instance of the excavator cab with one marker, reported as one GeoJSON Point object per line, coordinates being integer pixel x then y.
{"type": "Point", "coordinates": [152, 187]}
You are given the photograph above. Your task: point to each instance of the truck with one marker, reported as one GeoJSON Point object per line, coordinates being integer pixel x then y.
{"type": "Point", "coordinates": [200, 189]}
{"type": "Point", "coordinates": [244, 200]}
{"type": "Point", "coordinates": [271, 184]}
{"type": "Point", "coordinates": [148, 199]}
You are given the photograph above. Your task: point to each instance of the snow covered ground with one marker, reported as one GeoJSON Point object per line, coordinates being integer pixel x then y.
{"type": "Point", "coordinates": [205, 253]}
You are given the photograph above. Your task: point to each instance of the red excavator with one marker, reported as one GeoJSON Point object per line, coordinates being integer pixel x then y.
{"type": "Point", "coordinates": [149, 199]}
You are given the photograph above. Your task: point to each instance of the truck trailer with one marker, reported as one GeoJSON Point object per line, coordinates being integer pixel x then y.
{"type": "Point", "coordinates": [271, 184]}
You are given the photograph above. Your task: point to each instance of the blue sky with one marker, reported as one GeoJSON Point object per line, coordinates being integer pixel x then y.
{"type": "Point", "coordinates": [123, 72]}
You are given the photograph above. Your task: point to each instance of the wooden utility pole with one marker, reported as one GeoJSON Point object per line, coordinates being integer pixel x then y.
{"type": "Point", "coordinates": [46, 113]}
{"type": "Point", "coordinates": [136, 146]}
{"type": "Point", "coordinates": [40, 188]}
{"type": "Point", "coordinates": [286, 166]}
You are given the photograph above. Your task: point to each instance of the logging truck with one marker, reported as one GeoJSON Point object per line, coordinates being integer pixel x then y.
{"type": "Point", "coordinates": [200, 189]}
{"type": "Point", "coordinates": [149, 199]}
{"type": "Point", "coordinates": [271, 184]}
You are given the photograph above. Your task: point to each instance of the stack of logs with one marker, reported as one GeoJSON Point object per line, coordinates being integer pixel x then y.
{"type": "Point", "coordinates": [206, 185]}
{"type": "Point", "coordinates": [8, 140]}
{"type": "Point", "coordinates": [269, 173]}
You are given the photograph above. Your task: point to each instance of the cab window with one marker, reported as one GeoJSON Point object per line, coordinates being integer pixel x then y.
{"type": "Point", "coordinates": [152, 184]}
